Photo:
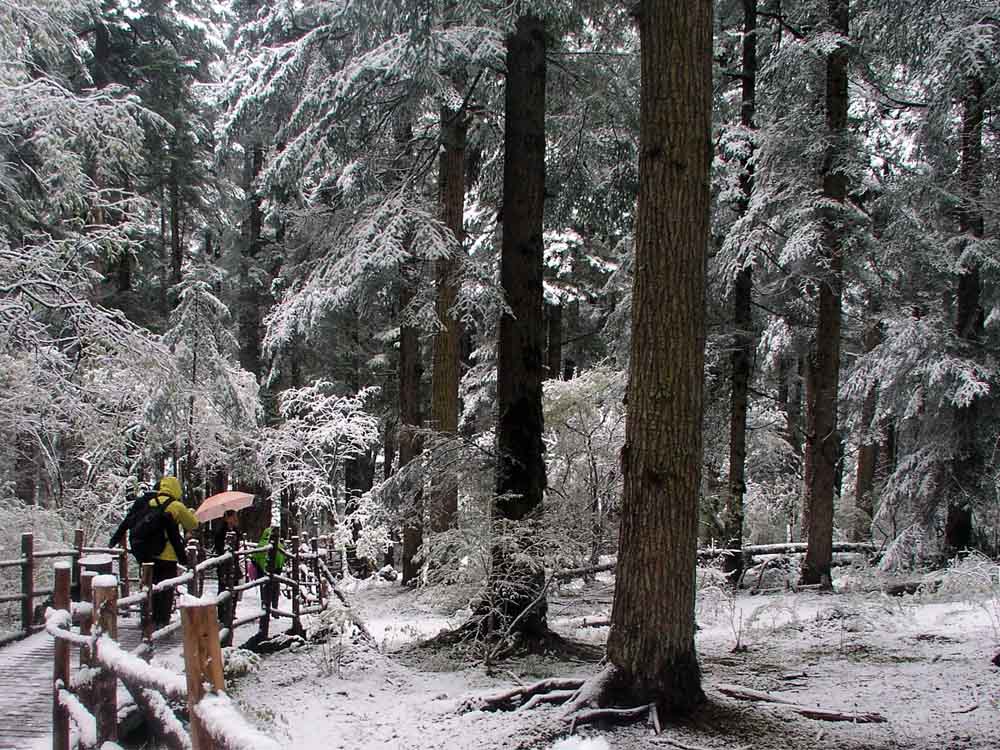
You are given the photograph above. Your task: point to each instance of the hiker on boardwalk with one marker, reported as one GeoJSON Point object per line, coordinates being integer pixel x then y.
{"type": "Point", "coordinates": [259, 564]}
{"type": "Point", "coordinates": [154, 525]}
{"type": "Point", "coordinates": [230, 522]}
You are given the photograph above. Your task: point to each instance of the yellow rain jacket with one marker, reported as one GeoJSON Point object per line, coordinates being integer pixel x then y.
{"type": "Point", "coordinates": [177, 510]}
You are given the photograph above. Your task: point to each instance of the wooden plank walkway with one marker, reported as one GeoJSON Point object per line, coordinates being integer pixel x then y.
{"type": "Point", "coordinates": [26, 678]}
{"type": "Point", "coordinates": [26, 686]}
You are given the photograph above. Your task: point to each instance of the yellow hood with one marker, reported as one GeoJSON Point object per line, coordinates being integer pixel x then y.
{"type": "Point", "coordinates": [171, 486]}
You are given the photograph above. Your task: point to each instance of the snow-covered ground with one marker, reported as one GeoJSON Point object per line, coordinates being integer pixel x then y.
{"type": "Point", "coordinates": [924, 663]}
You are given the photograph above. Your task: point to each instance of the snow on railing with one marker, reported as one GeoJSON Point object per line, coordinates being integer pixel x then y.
{"type": "Point", "coordinates": [215, 723]}
{"type": "Point", "coordinates": [223, 721]}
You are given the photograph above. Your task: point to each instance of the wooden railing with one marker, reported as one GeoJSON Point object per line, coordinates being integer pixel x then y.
{"type": "Point", "coordinates": [89, 701]}
{"type": "Point", "coordinates": [27, 562]}
{"type": "Point", "coordinates": [329, 565]}
{"type": "Point", "coordinates": [208, 622]}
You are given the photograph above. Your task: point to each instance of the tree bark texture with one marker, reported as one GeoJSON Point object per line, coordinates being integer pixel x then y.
{"type": "Point", "coordinates": [409, 443]}
{"type": "Point", "coordinates": [742, 356]}
{"type": "Point", "coordinates": [445, 375]}
{"type": "Point", "coordinates": [520, 479]}
{"type": "Point", "coordinates": [823, 373]}
{"type": "Point", "coordinates": [967, 463]}
{"type": "Point", "coordinates": [652, 633]}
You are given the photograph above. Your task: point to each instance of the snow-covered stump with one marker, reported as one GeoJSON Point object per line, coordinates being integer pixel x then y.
{"type": "Point", "coordinates": [105, 613]}
{"type": "Point", "coordinates": [202, 662]}
{"type": "Point", "coordinates": [61, 662]}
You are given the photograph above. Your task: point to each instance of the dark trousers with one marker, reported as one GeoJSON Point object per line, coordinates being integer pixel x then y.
{"type": "Point", "coordinates": [163, 601]}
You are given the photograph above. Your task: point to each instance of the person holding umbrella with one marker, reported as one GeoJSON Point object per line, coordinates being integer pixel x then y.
{"type": "Point", "coordinates": [230, 522]}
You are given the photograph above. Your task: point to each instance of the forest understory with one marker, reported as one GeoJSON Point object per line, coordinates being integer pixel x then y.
{"type": "Point", "coordinates": [921, 663]}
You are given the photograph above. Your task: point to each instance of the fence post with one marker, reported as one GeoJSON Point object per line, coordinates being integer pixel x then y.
{"type": "Point", "coordinates": [27, 581]}
{"type": "Point", "coordinates": [60, 664]}
{"type": "Point", "coordinates": [106, 683]}
{"type": "Point", "coordinates": [193, 550]}
{"type": "Point", "coordinates": [78, 547]}
{"type": "Point", "coordinates": [146, 615]}
{"type": "Point", "coordinates": [87, 596]}
{"type": "Point", "coordinates": [297, 589]}
{"type": "Point", "coordinates": [320, 583]}
{"type": "Point", "coordinates": [202, 663]}
{"type": "Point", "coordinates": [123, 571]}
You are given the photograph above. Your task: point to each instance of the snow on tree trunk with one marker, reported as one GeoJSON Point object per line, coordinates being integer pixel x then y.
{"type": "Point", "coordinates": [652, 632]}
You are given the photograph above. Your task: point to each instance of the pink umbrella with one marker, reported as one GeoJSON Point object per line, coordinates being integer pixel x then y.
{"type": "Point", "coordinates": [217, 505]}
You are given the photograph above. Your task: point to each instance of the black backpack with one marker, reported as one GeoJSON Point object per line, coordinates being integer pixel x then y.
{"type": "Point", "coordinates": [148, 532]}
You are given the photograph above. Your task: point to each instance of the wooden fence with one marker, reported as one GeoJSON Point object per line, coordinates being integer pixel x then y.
{"type": "Point", "coordinates": [208, 621]}
{"type": "Point", "coordinates": [89, 699]}
{"type": "Point", "coordinates": [330, 563]}
{"type": "Point", "coordinates": [28, 564]}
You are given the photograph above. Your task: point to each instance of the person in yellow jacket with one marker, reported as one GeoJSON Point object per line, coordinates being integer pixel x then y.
{"type": "Point", "coordinates": [168, 499]}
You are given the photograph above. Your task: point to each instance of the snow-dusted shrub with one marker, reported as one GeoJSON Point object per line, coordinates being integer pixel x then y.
{"type": "Point", "coordinates": [238, 662]}
{"type": "Point", "coordinates": [305, 454]}
{"type": "Point", "coordinates": [584, 434]}
{"type": "Point", "coordinates": [912, 548]}
{"type": "Point", "coordinates": [50, 531]}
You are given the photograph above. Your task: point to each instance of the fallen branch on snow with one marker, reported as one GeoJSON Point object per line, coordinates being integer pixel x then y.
{"type": "Point", "coordinates": [821, 714]}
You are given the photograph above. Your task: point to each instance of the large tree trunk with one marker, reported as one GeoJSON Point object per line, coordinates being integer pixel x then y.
{"type": "Point", "coordinates": [446, 369]}
{"type": "Point", "coordinates": [248, 314]}
{"type": "Point", "coordinates": [742, 355]}
{"type": "Point", "coordinates": [823, 372]}
{"type": "Point", "coordinates": [410, 372]}
{"type": "Point", "coordinates": [652, 632]}
{"type": "Point", "coordinates": [520, 477]}
{"type": "Point", "coordinates": [967, 462]}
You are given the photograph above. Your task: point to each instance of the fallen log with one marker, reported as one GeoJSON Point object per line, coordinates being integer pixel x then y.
{"type": "Point", "coordinates": [810, 712]}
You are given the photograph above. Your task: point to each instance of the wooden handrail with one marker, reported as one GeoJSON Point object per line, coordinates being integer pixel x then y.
{"type": "Point", "coordinates": [215, 723]}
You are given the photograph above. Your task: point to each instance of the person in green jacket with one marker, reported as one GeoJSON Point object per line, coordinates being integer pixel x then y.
{"type": "Point", "coordinates": [259, 561]}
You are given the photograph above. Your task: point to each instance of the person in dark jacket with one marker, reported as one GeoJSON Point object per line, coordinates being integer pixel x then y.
{"type": "Point", "coordinates": [230, 522]}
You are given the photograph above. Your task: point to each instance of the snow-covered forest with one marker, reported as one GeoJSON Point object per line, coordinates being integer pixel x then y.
{"type": "Point", "coordinates": [494, 291]}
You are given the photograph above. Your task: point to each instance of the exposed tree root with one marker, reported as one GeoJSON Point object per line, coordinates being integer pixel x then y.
{"type": "Point", "coordinates": [522, 695]}
{"type": "Point", "coordinates": [821, 714]}
{"type": "Point", "coordinates": [593, 700]}
{"type": "Point", "coordinates": [586, 700]}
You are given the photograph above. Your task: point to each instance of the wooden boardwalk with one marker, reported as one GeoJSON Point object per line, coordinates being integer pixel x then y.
{"type": "Point", "coordinates": [26, 685]}
{"type": "Point", "coordinates": [26, 678]}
